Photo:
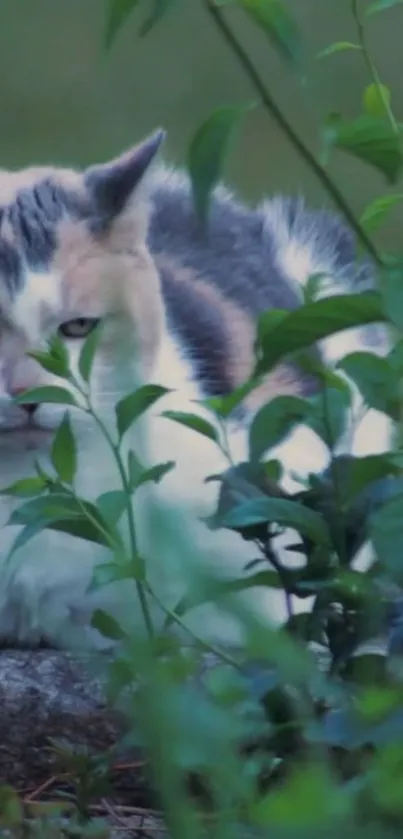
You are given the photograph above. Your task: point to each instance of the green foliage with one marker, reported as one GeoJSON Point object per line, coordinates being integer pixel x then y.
{"type": "Point", "coordinates": [377, 212]}
{"type": "Point", "coordinates": [118, 12]}
{"type": "Point", "coordinates": [313, 322]}
{"type": "Point", "coordinates": [376, 100]}
{"type": "Point", "coordinates": [371, 139]}
{"type": "Point", "coordinates": [131, 407]}
{"type": "Point", "coordinates": [159, 8]}
{"type": "Point", "coordinates": [197, 423]}
{"type": "Point", "coordinates": [64, 457]}
{"type": "Point", "coordinates": [279, 739]}
{"type": "Point", "coordinates": [338, 46]}
{"type": "Point", "coordinates": [274, 422]}
{"type": "Point", "coordinates": [207, 154]}
{"type": "Point", "coordinates": [87, 354]}
{"type": "Point", "coordinates": [276, 23]}
{"type": "Point", "coordinates": [376, 380]}
{"type": "Point", "coordinates": [380, 5]}
{"type": "Point", "coordinates": [280, 511]}
{"type": "Point", "coordinates": [49, 393]}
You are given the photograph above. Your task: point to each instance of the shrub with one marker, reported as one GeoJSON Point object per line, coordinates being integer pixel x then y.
{"type": "Point", "coordinates": [281, 739]}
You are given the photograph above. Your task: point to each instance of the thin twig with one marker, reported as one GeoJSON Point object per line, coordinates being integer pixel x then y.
{"type": "Point", "coordinates": [112, 811]}
{"type": "Point", "coordinates": [372, 69]}
{"type": "Point", "coordinates": [273, 109]}
{"type": "Point", "coordinates": [42, 788]}
{"type": "Point", "coordinates": [221, 654]}
{"type": "Point", "coordinates": [282, 573]}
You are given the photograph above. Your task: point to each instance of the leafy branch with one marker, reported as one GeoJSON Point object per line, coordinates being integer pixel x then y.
{"type": "Point", "coordinates": [277, 114]}
{"type": "Point", "coordinates": [372, 69]}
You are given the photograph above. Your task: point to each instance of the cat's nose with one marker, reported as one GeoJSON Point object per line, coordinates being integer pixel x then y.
{"type": "Point", "coordinates": [30, 408]}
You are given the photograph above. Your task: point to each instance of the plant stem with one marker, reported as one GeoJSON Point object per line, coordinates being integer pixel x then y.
{"type": "Point", "coordinates": [112, 544]}
{"type": "Point", "coordinates": [273, 109]}
{"type": "Point", "coordinates": [338, 490]}
{"type": "Point", "coordinates": [373, 72]}
{"type": "Point", "coordinates": [178, 620]}
{"type": "Point", "coordinates": [282, 573]}
{"type": "Point", "coordinates": [129, 509]}
{"type": "Point", "coordinates": [132, 527]}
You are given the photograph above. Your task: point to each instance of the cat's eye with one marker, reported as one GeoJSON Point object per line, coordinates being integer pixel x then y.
{"type": "Point", "coordinates": [78, 328]}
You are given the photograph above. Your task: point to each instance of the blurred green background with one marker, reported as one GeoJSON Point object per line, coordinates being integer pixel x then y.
{"type": "Point", "coordinates": [65, 100]}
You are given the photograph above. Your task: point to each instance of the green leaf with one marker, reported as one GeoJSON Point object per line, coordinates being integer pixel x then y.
{"type": "Point", "coordinates": [381, 5]}
{"type": "Point", "coordinates": [371, 140]}
{"type": "Point", "coordinates": [338, 46]}
{"type": "Point", "coordinates": [135, 469]}
{"type": "Point", "coordinates": [11, 809]}
{"type": "Point", "coordinates": [245, 481]}
{"type": "Point", "coordinates": [155, 474]}
{"type": "Point", "coordinates": [25, 488]}
{"type": "Point", "coordinates": [223, 406]}
{"type": "Point", "coordinates": [268, 321]}
{"type": "Point", "coordinates": [375, 379]}
{"type": "Point", "coordinates": [49, 393]}
{"type": "Point", "coordinates": [207, 153]}
{"type": "Point", "coordinates": [112, 505]}
{"type": "Point", "coordinates": [118, 13]}
{"type": "Point", "coordinates": [76, 525]}
{"type": "Point", "coordinates": [314, 285]}
{"type": "Point", "coordinates": [329, 413]}
{"type": "Point", "coordinates": [313, 322]}
{"type": "Point", "coordinates": [64, 454]}
{"type": "Point", "coordinates": [366, 669]}
{"type": "Point", "coordinates": [395, 357]}
{"type": "Point", "coordinates": [196, 423]}
{"type": "Point", "coordinates": [274, 421]}
{"type": "Point", "coordinates": [52, 365]}
{"type": "Point", "coordinates": [214, 590]}
{"type": "Point", "coordinates": [87, 354]}
{"type": "Point", "coordinates": [66, 513]}
{"type": "Point", "coordinates": [376, 213]}
{"type": "Point", "coordinates": [307, 799]}
{"type": "Point", "coordinates": [106, 573]}
{"type": "Point", "coordinates": [277, 510]}
{"type": "Point", "coordinates": [56, 359]}
{"type": "Point", "coordinates": [275, 21]}
{"type": "Point", "coordinates": [131, 407]}
{"type": "Point", "coordinates": [107, 625]}
{"type": "Point", "coordinates": [160, 7]}
{"type": "Point", "coordinates": [366, 470]}
{"type": "Point", "coordinates": [392, 292]}
{"type": "Point", "coordinates": [386, 531]}
{"type": "Point", "coordinates": [28, 532]}
{"type": "Point", "coordinates": [376, 100]}
{"type": "Point", "coordinates": [375, 703]}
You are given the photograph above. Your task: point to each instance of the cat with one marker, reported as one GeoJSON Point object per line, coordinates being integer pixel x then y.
{"type": "Point", "coordinates": [120, 242]}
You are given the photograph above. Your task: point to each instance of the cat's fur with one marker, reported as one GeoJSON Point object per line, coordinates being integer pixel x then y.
{"type": "Point", "coordinates": [122, 241]}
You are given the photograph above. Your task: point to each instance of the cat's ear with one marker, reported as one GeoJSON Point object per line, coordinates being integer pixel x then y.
{"type": "Point", "coordinates": [113, 184]}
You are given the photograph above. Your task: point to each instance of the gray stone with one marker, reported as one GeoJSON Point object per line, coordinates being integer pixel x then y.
{"type": "Point", "coordinates": [48, 694]}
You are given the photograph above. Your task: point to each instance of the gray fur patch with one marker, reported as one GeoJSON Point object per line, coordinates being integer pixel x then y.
{"type": "Point", "coordinates": [237, 255]}
{"type": "Point", "coordinates": [242, 255]}
{"type": "Point", "coordinates": [11, 273]}
{"type": "Point", "coordinates": [34, 216]}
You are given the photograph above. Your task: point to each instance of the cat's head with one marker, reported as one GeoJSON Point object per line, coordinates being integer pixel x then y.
{"type": "Point", "coordinates": [73, 252]}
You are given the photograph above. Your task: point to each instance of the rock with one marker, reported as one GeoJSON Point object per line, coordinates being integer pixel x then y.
{"type": "Point", "coordinates": [48, 694]}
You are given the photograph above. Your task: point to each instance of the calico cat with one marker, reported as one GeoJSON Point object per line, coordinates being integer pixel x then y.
{"type": "Point", "coordinates": [120, 242]}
